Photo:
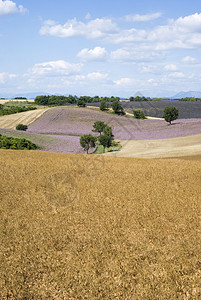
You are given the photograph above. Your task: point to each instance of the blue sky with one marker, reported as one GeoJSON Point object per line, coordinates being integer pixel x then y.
{"type": "Point", "coordinates": [100, 47]}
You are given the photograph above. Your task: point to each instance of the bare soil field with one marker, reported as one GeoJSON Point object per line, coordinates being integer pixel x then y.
{"type": "Point", "coordinates": [96, 227]}
{"type": "Point", "coordinates": [27, 117]}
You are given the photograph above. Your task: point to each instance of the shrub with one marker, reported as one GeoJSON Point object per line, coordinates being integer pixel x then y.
{"type": "Point", "coordinates": [21, 127]}
{"type": "Point", "coordinates": [16, 143]}
{"type": "Point", "coordinates": [138, 114]}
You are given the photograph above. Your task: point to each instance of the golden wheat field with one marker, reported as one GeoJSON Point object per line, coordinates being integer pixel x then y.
{"type": "Point", "coordinates": [95, 227]}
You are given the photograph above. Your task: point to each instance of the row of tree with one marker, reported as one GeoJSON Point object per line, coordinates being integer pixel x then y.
{"type": "Point", "coordinates": [9, 110]}
{"type": "Point", "coordinates": [63, 100]}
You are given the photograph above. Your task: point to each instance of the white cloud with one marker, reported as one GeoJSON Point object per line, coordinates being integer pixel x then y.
{"type": "Point", "coordinates": [135, 55]}
{"type": "Point", "coordinates": [183, 33]}
{"type": "Point", "coordinates": [58, 67]}
{"type": "Point", "coordinates": [170, 67]}
{"type": "Point", "coordinates": [9, 7]}
{"type": "Point", "coordinates": [126, 82]}
{"type": "Point", "coordinates": [177, 75]}
{"type": "Point", "coordinates": [97, 28]}
{"type": "Point", "coordinates": [97, 53]}
{"type": "Point", "coordinates": [189, 60]}
{"type": "Point", "coordinates": [190, 23]}
{"type": "Point", "coordinates": [142, 18]}
{"type": "Point", "coordinates": [4, 77]}
{"type": "Point", "coordinates": [95, 76]}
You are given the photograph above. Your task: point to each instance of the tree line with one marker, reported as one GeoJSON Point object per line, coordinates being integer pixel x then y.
{"type": "Point", "coordinates": [9, 110]}
{"type": "Point", "coordinates": [63, 100]}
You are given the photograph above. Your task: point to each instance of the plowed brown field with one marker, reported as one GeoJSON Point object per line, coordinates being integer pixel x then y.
{"type": "Point", "coordinates": [95, 227]}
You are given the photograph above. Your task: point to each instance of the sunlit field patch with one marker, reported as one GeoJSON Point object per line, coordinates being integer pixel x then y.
{"type": "Point", "coordinates": [94, 227]}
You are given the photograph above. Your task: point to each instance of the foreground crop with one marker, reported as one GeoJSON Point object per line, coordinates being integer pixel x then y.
{"type": "Point", "coordinates": [91, 227]}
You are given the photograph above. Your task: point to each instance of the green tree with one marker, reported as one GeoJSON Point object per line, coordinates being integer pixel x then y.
{"type": "Point", "coordinates": [105, 141]}
{"type": "Point", "coordinates": [138, 114]}
{"type": "Point", "coordinates": [104, 105]}
{"type": "Point", "coordinates": [99, 126]}
{"type": "Point", "coordinates": [107, 137]}
{"type": "Point", "coordinates": [170, 113]}
{"type": "Point", "coordinates": [81, 103]}
{"type": "Point", "coordinates": [117, 107]}
{"type": "Point", "coordinates": [108, 131]}
{"type": "Point", "coordinates": [88, 141]}
{"type": "Point", "coordinates": [21, 127]}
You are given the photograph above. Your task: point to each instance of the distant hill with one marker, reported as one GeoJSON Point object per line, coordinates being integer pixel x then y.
{"type": "Point", "coordinates": [138, 94]}
{"type": "Point", "coordinates": [188, 94]}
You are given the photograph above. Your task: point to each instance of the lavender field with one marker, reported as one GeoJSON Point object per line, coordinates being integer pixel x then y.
{"type": "Point", "coordinates": [59, 129]}
{"type": "Point", "coordinates": [187, 109]}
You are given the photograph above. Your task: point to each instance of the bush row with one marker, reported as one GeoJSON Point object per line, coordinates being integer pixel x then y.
{"type": "Point", "coordinates": [16, 143]}
{"type": "Point", "coordinates": [14, 109]}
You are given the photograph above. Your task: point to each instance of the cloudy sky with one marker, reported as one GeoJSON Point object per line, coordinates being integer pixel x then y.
{"type": "Point", "coordinates": [105, 48]}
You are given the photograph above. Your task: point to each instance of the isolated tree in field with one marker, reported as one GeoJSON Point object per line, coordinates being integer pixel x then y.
{"type": "Point", "coordinates": [87, 141]}
{"type": "Point", "coordinates": [104, 105]}
{"type": "Point", "coordinates": [21, 127]}
{"type": "Point", "coordinates": [99, 126]}
{"type": "Point", "coordinates": [117, 107]}
{"type": "Point", "coordinates": [170, 113]}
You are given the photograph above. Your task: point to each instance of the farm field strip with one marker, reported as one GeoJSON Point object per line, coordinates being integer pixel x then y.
{"type": "Point", "coordinates": [3, 101]}
{"type": "Point", "coordinates": [27, 117]}
{"type": "Point", "coordinates": [63, 126]}
{"type": "Point", "coordinates": [94, 227]}
{"type": "Point", "coordinates": [165, 148]}
{"type": "Point", "coordinates": [79, 121]}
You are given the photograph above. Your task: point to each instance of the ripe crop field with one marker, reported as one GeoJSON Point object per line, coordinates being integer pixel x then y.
{"type": "Point", "coordinates": [95, 227]}
{"type": "Point", "coordinates": [11, 121]}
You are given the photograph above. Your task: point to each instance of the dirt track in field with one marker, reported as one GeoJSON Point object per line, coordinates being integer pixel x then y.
{"type": "Point", "coordinates": [27, 117]}
{"type": "Point", "coordinates": [164, 148]}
